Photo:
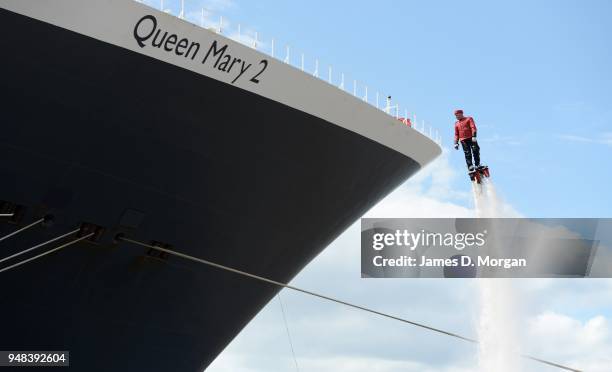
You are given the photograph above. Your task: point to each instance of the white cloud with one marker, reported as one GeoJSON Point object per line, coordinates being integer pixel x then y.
{"type": "Point", "coordinates": [505, 140]}
{"type": "Point", "coordinates": [358, 364]}
{"type": "Point", "coordinates": [590, 296]}
{"type": "Point", "coordinates": [584, 344]}
{"type": "Point", "coordinates": [406, 203]}
{"type": "Point", "coordinates": [210, 18]}
{"type": "Point", "coordinates": [330, 337]}
{"type": "Point", "coordinates": [603, 139]}
{"type": "Point", "coordinates": [434, 182]}
{"type": "Point", "coordinates": [337, 364]}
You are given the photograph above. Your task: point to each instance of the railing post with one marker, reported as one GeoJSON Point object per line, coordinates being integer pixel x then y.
{"type": "Point", "coordinates": [437, 137]}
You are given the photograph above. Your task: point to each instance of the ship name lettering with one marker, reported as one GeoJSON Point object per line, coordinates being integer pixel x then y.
{"type": "Point", "coordinates": [147, 34]}
{"type": "Point", "coordinates": [225, 62]}
{"type": "Point", "coordinates": [146, 28]}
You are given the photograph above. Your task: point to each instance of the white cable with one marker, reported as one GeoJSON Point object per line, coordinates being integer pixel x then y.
{"type": "Point", "coordinates": [38, 246]}
{"type": "Point", "coordinates": [46, 253]}
{"type": "Point", "coordinates": [297, 368]}
{"type": "Point", "coordinates": [283, 285]}
{"type": "Point", "coordinates": [22, 229]}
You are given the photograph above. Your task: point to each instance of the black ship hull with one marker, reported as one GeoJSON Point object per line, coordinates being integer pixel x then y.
{"type": "Point", "coordinates": [95, 133]}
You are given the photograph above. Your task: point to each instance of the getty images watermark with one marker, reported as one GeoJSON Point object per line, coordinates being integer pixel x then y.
{"type": "Point", "coordinates": [470, 248]}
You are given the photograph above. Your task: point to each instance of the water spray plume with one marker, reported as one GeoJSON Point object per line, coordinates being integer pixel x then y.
{"type": "Point", "coordinates": [499, 346]}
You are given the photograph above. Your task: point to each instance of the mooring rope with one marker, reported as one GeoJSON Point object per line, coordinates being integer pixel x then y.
{"type": "Point", "coordinates": [297, 368]}
{"type": "Point", "coordinates": [38, 246]}
{"type": "Point", "coordinates": [46, 253]}
{"type": "Point", "coordinates": [120, 237]}
{"type": "Point", "coordinates": [22, 229]}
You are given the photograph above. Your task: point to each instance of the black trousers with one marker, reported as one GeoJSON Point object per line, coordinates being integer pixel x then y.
{"type": "Point", "coordinates": [471, 148]}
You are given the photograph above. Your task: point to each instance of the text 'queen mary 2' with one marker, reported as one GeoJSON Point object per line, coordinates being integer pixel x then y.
{"type": "Point", "coordinates": [119, 119]}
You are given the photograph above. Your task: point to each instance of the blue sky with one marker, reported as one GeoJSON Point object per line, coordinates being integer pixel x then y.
{"type": "Point", "coordinates": [535, 76]}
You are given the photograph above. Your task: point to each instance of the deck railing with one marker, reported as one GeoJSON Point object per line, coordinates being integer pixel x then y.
{"type": "Point", "coordinates": [249, 37]}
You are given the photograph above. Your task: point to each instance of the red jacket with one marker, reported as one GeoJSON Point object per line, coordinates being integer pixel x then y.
{"type": "Point", "coordinates": [465, 128]}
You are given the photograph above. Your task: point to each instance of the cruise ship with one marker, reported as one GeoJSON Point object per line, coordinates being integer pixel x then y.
{"type": "Point", "coordinates": [123, 122]}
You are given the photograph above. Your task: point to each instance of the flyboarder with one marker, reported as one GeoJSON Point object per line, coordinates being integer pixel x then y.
{"type": "Point", "coordinates": [465, 132]}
